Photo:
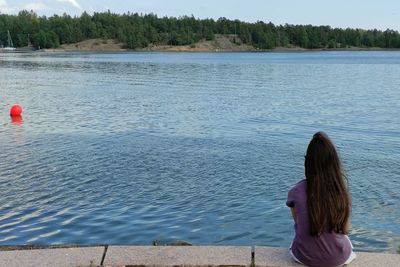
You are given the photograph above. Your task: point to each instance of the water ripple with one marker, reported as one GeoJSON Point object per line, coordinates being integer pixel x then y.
{"type": "Point", "coordinates": [126, 149]}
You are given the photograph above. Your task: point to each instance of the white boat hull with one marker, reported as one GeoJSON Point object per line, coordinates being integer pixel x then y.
{"type": "Point", "coordinates": [7, 49]}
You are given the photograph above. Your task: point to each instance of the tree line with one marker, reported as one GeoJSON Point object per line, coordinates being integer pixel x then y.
{"type": "Point", "coordinates": [140, 30]}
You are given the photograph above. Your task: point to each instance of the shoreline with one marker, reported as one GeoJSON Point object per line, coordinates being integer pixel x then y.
{"type": "Point", "coordinates": [172, 50]}
{"type": "Point", "coordinates": [221, 43]}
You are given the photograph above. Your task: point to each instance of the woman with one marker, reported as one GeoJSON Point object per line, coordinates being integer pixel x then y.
{"type": "Point", "coordinates": [320, 207]}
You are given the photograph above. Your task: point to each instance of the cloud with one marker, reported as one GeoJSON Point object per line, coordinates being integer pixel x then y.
{"type": "Point", "coordinates": [35, 6]}
{"type": "Point", "coordinates": [71, 2]}
{"type": "Point", "coordinates": [5, 8]}
{"type": "Point", "coordinates": [44, 7]}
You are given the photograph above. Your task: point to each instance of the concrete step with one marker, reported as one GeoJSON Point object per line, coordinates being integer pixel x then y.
{"type": "Point", "coordinates": [170, 256]}
{"type": "Point", "coordinates": [280, 257]}
{"type": "Point", "coordinates": [84, 256]}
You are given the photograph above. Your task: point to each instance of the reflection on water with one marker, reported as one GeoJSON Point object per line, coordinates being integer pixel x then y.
{"type": "Point", "coordinates": [16, 120]}
{"type": "Point", "coordinates": [128, 148]}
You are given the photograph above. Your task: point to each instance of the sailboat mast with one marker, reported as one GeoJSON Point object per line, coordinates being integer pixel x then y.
{"type": "Point", "coordinates": [10, 43]}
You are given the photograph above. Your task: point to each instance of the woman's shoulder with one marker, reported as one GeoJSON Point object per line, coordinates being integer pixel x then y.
{"type": "Point", "coordinates": [297, 193]}
{"type": "Point", "coordinates": [300, 185]}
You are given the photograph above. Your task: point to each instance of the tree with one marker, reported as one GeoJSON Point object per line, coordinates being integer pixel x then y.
{"type": "Point", "coordinates": [303, 40]}
{"type": "Point", "coordinates": [137, 30]}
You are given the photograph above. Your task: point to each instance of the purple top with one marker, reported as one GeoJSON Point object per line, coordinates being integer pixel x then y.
{"type": "Point", "coordinates": [329, 249]}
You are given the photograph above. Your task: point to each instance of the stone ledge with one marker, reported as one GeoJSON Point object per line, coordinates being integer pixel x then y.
{"type": "Point", "coordinates": [63, 257]}
{"type": "Point", "coordinates": [273, 257]}
{"type": "Point", "coordinates": [280, 257]}
{"type": "Point", "coordinates": [169, 256]}
{"type": "Point", "coordinates": [178, 256]}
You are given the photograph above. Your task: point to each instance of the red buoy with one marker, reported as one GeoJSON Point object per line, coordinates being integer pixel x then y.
{"type": "Point", "coordinates": [15, 110]}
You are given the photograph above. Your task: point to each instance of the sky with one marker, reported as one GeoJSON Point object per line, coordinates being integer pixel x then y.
{"type": "Point", "coordinates": [365, 14]}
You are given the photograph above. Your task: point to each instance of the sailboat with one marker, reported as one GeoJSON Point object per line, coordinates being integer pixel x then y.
{"type": "Point", "coordinates": [10, 46]}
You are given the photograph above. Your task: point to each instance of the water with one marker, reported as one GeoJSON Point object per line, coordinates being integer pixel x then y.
{"type": "Point", "coordinates": [128, 148]}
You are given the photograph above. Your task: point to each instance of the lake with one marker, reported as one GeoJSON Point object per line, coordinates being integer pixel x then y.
{"type": "Point", "coordinates": [133, 147]}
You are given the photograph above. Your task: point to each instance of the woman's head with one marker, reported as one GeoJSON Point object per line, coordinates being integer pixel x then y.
{"type": "Point", "coordinates": [327, 196]}
{"type": "Point", "coordinates": [321, 158]}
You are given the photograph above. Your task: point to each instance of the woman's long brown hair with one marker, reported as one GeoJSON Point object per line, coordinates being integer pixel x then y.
{"type": "Point", "coordinates": [328, 199]}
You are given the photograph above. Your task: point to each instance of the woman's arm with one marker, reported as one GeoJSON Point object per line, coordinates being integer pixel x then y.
{"type": "Point", "coordinates": [294, 213]}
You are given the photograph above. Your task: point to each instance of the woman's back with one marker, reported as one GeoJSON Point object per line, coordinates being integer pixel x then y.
{"type": "Point", "coordinates": [328, 249]}
{"type": "Point", "coordinates": [320, 206]}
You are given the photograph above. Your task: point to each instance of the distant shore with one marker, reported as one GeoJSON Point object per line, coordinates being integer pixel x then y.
{"type": "Point", "coordinates": [221, 43]}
